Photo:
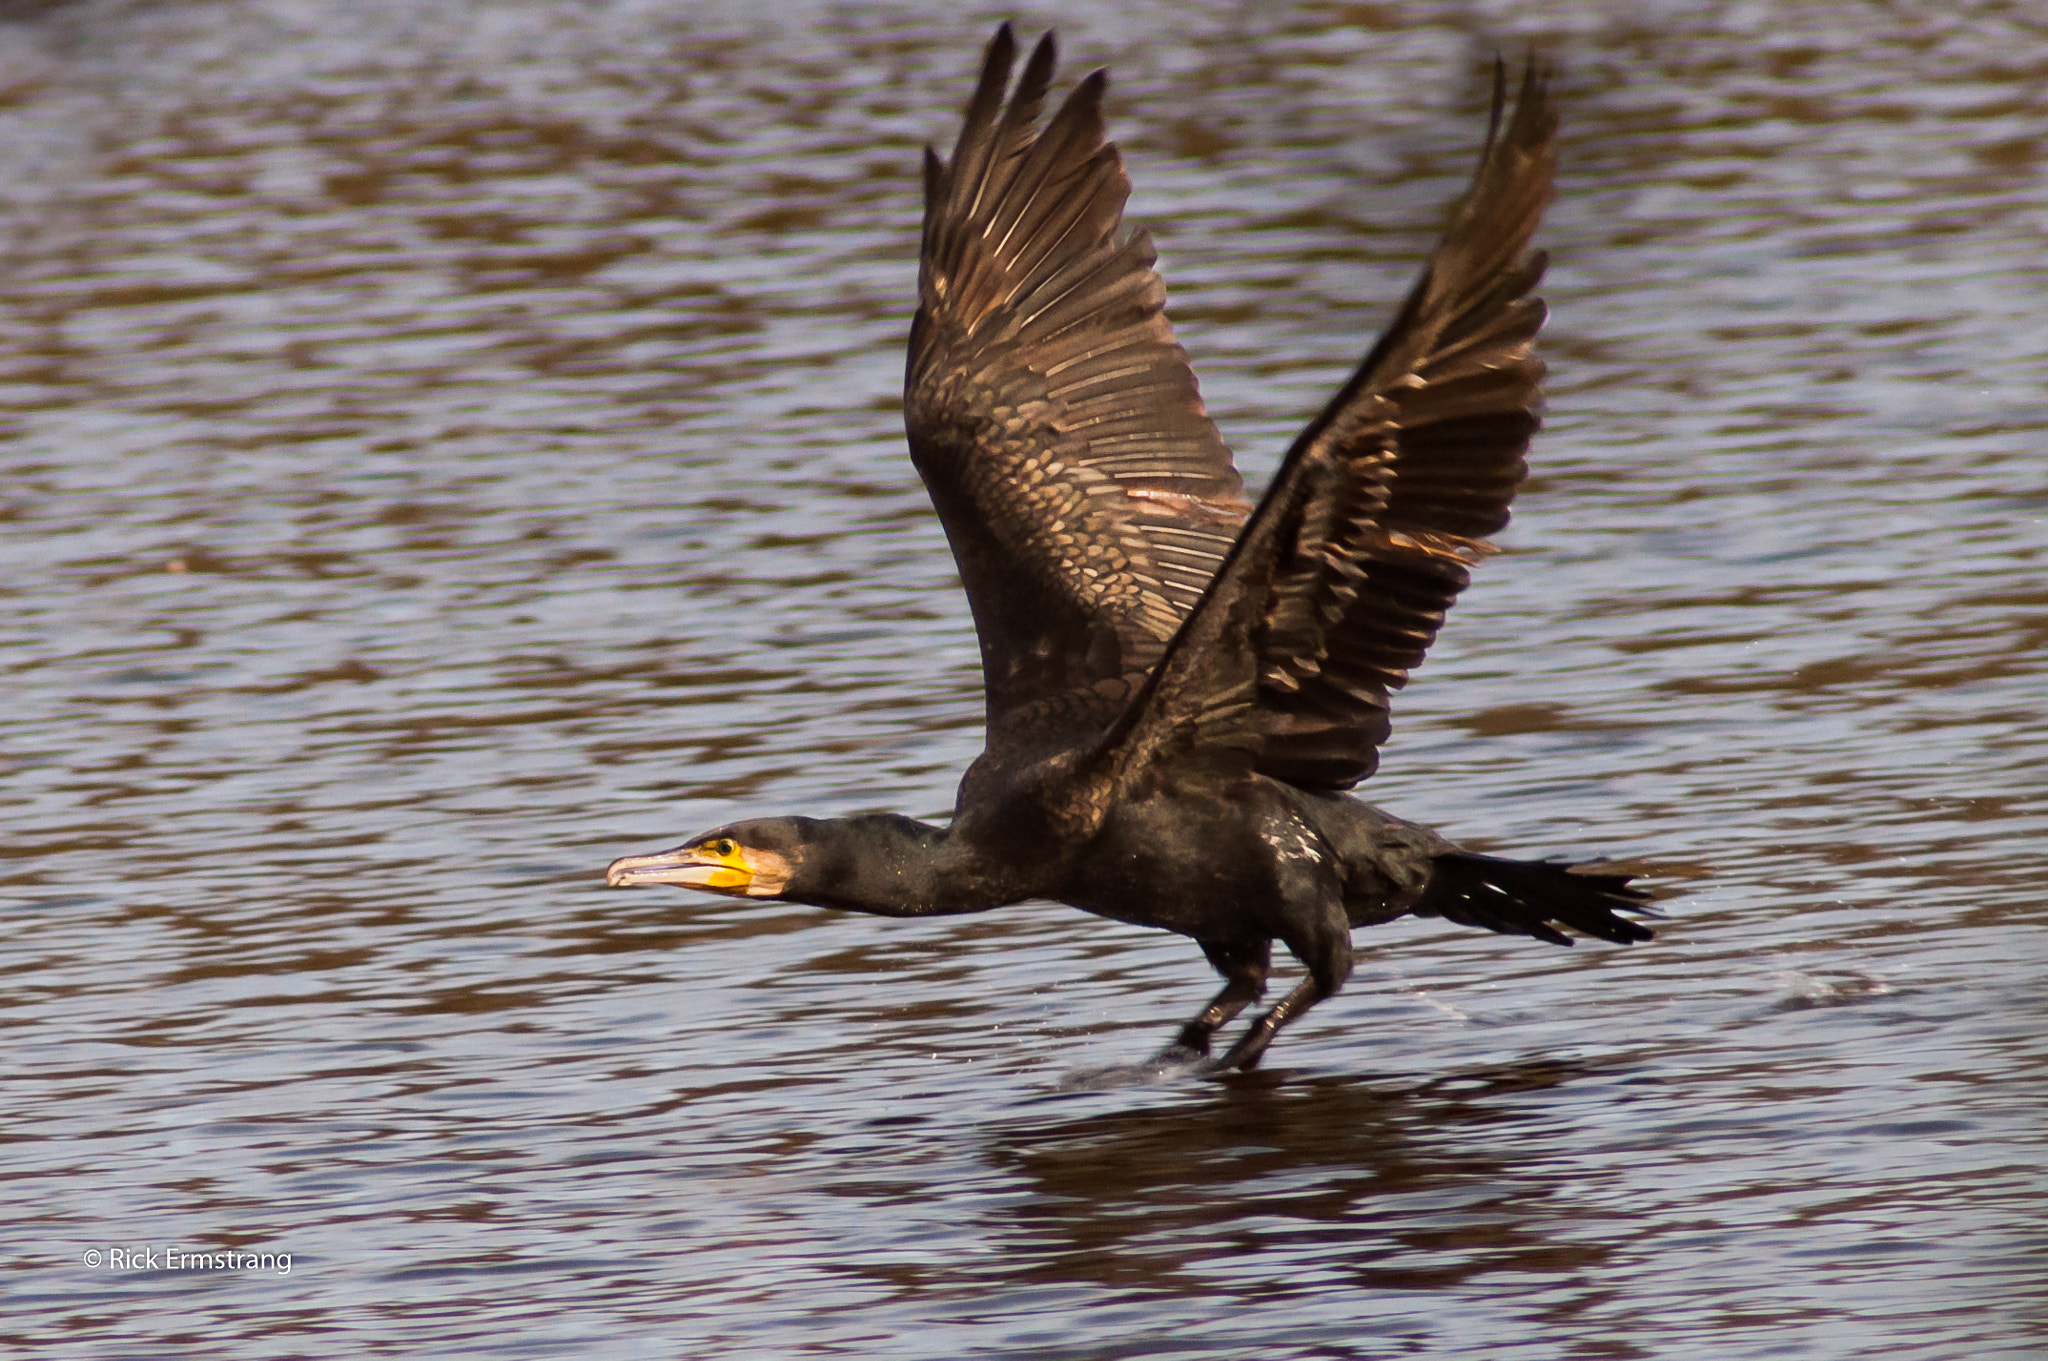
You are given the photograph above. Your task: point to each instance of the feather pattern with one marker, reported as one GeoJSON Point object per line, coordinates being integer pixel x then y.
{"type": "Point", "coordinates": [1344, 573]}
{"type": "Point", "coordinates": [1087, 495]}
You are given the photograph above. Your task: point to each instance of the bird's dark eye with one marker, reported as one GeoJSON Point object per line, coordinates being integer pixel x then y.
{"type": "Point", "coordinates": [723, 847]}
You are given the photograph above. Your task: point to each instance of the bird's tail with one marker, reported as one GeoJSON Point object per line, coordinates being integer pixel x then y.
{"type": "Point", "coordinates": [1534, 898]}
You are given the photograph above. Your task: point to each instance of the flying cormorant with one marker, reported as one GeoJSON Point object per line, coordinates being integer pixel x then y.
{"type": "Point", "coordinates": [1181, 688]}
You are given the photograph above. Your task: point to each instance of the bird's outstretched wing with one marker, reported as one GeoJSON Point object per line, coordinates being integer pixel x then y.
{"type": "Point", "coordinates": [1084, 489]}
{"type": "Point", "coordinates": [1343, 575]}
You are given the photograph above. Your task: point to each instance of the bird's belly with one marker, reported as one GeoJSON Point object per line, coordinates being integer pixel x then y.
{"type": "Point", "coordinates": [1216, 873]}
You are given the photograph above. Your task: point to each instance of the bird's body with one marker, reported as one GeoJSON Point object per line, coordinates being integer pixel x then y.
{"type": "Point", "coordinates": [1181, 689]}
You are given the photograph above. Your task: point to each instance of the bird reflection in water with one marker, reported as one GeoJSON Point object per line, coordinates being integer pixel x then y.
{"type": "Point", "coordinates": [1180, 688]}
{"type": "Point", "coordinates": [1395, 1185]}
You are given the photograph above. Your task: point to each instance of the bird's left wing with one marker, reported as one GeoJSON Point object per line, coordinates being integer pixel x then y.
{"type": "Point", "coordinates": [1085, 492]}
{"type": "Point", "coordinates": [1343, 576]}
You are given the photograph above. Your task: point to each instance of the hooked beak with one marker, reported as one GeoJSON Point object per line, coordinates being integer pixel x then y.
{"type": "Point", "coordinates": [688, 866]}
{"type": "Point", "coordinates": [719, 865]}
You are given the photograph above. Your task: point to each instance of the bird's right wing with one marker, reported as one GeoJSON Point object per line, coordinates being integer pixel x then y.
{"type": "Point", "coordinates": [1084, 489]}
{"type": "Point", "coordinates": [1344, 573]}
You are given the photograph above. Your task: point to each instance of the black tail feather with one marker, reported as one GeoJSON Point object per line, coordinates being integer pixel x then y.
{"type": "Point", "coordinates": [1534, 898]}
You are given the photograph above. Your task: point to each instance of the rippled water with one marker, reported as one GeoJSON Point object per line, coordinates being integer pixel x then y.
{"type": "Point", "coordinates": [449, 445]}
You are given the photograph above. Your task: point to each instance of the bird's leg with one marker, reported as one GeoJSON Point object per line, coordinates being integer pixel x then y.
{"type": "Point", "coordinates": [1328, 955]}
{"type": "Point", "coordinates": [1251, 1046]}
{"type": "Point", "coordinates": [1244, 969]}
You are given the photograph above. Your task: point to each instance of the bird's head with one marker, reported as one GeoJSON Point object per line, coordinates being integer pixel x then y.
{"type": "Point", "coordinates": [744, 860]}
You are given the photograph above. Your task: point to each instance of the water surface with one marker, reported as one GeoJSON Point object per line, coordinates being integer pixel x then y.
{"type": "Point", "coordinates": [449, 445]}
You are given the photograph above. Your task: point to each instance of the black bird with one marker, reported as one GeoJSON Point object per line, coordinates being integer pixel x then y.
{"type": "Point", "coordinates": [1180, 692]}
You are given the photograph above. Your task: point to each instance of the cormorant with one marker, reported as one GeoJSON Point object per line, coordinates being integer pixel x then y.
{"type": "Point", "coordinates": [1180, 688]}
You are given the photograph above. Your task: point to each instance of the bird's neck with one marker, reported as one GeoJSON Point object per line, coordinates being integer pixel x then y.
{"type": "Point", "coordinates": [891, 866]}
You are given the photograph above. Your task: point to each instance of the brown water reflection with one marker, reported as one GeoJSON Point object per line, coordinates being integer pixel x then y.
{"type": "Point", "coordinates": [1321, 1176]}
{"type": "Point", "coordinates": [446, 445]}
